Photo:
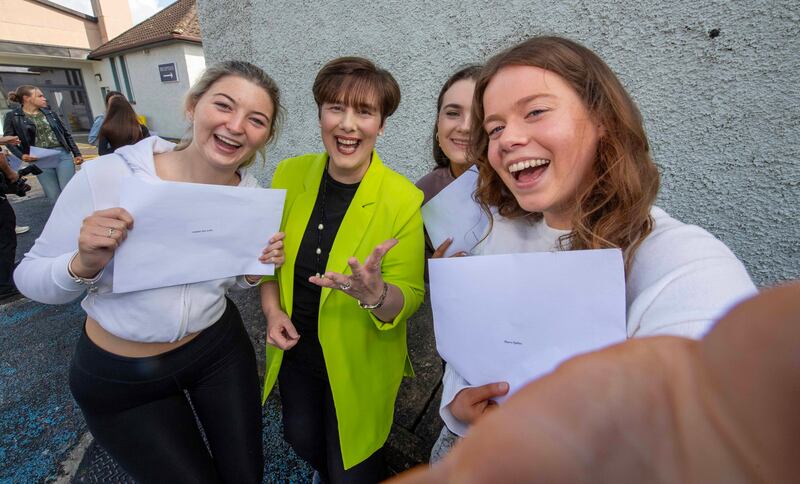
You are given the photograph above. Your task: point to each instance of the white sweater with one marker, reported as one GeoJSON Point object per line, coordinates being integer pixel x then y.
{"type": "Point", "coordinates": [680, 281]}
{"type": "Point", "coordinates": [154, 315]}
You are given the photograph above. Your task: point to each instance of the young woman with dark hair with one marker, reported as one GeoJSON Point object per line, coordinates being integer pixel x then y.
{"type": "Point", "coordinates": [98, 121]}
{"type": "Point", "coordinates": [450, 140]}
{"type": "Point", "coordinates": [120, 128]}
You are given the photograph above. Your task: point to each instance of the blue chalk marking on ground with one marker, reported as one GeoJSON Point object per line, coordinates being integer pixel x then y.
{"type": "Point", "coordinates": [39, 421]}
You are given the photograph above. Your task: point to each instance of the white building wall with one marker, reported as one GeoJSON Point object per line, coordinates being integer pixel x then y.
{"type": "Point", "coordinates": [161, 102]}
{"type": "Point", "coordinates": [195, 61]}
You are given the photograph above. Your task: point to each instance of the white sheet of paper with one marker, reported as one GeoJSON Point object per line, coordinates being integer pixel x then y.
{"type": "Point", "coordinates": [14, 162]}
{"type": "Point", "coordinates": [190, 232]}
{"type": "Point", "coordinates": [47, 158]}
{"type": "Point", "coordinates": [453, 213]}
{"type": "Point", "coordinates": [516, 317]}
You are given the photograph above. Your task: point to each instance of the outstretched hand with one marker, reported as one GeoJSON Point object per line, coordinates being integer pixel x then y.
{"type": "Point", "coordinates": [366, 281]}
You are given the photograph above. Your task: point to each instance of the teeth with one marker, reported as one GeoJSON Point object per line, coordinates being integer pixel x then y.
{"type": "Point", "coordinates": [347, 141]}
{"type": "Point", "coordinates": [228, 141]}
{"type": "Point", "coordinates": [519, 166]}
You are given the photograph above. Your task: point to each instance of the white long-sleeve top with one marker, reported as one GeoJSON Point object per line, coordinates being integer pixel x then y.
{"type": "Point", "coordinates": [155, 315]}
{"type": "Point", "coordinates": [680, 281]}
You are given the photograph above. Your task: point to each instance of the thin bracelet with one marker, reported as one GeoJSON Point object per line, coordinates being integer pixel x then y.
{"type": "Point", "coordinates": [85, 281]}
{"type": "Point", "coordinates": [380, 301]}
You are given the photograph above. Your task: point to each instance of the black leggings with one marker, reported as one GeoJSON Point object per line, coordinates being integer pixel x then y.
{"type": "Point", "coordinates": [311, 428]}
{"type": "Point", "coordinates": [137, 408]}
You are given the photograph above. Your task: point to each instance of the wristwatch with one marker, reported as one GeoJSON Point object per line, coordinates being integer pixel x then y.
{"type": "Point", "coordinates": [380, 301]}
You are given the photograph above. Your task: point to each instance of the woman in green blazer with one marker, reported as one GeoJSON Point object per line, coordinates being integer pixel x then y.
{"type": "Point", "coordinates": [336, 314]}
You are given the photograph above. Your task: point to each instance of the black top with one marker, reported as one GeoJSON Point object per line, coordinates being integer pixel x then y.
{"type": "Point", "coordinates": [333, 199]}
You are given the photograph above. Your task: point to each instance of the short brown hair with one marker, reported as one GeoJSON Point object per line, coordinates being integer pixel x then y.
{"type": "Point", "coordinates": [614, 209]}
{"type": "Point", "coordinates": [354, 81]}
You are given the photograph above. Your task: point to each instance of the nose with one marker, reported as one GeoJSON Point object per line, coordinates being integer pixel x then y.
{"type": "Point", "coordinates": [466, 120]}
{"type": "Point", "coordinates": [235, 123]}
{"type": "Point", "coordinates": [512, 137]}
{"type": "Point", "coordinates": [347, 121]}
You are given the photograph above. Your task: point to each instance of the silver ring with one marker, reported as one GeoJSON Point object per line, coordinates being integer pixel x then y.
{"type": "Point", "coordinates": [347, 285]}
{"type": "Point", "coordinates": [110, 233]}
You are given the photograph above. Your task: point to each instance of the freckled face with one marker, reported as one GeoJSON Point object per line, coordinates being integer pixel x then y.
{"type": "Point", "coordinates": [452, 124]}
{"type": "Point", "coordinates": [349, 134]}
{"type": "Point", "coordinates": [542, 140]}
{"type": "Point", "coordinates": [231, 121]}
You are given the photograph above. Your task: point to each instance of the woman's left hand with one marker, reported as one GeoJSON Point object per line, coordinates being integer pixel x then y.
{"type": "Point", "coordinates": [366, 282]}
{"type": "Point", "coordinates": [273, 253]}
{"type": "Point", "coordinates": [77, 160]}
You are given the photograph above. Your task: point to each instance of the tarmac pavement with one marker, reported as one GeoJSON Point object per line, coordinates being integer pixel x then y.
{"type": "Point", "coordinates": [43, 437]}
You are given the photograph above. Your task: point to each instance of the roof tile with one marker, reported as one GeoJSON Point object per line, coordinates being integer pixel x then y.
{"type": "Point", "coordinates": [176, 22]}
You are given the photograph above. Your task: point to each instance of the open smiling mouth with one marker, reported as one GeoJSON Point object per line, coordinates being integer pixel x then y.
{"type": "Point", "coordinates": [528, 170]}
{"type": "Point", "coordinates": [226, 144]}
{"type": "Point", "coordinates": [347, 146]}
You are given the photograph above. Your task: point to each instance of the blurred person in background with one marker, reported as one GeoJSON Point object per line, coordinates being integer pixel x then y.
{"type": "Point", "coordinates": [36, 125]}
{"type": "Point", "coordinates": [98, 121]}
{"type": "Point", "coordinates": [120, 128]}
{"type": "Point", "coordinates": [8, 226]}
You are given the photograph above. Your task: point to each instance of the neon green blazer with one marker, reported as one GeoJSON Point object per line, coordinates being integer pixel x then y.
{"type": "Point", "coordinates": [365, 358]}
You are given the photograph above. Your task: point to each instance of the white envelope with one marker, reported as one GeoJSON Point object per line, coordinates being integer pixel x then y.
{"type": "Point", "coordinates": [47, 158]}
{"type": "Point", "coordinates": [191, 232]}
{"type": "Point", "coordinates": [453, 213]}
{"type": "Point", "coordinates": [515, 317]}
{"type": "Point", "coordinates": [14, 162]}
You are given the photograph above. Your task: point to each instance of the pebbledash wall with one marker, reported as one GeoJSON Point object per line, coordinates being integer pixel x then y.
{"type": "Point", "coordinates": [716, 82]}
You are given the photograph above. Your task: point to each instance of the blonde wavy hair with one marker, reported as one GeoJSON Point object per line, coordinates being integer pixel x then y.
{"type": "Point", "coordinates": [613, 210]}
{"type": "Point", "coordinates": [246, 71]}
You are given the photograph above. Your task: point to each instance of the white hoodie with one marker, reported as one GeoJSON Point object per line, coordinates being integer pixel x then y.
{"type": "Point", "coordinates": [156, 315]}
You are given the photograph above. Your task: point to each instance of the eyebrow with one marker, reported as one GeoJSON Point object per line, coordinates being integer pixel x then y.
{"type": "Point", "coordinates": [520, 102]}
{"type": "Point", "coordinates": [234, 102]}
{"type": "Point", "coordinates": [452, 105]}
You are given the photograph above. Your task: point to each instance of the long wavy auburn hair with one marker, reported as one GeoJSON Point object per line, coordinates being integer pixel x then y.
{"type": "Point", "coordinates": [612, 210]}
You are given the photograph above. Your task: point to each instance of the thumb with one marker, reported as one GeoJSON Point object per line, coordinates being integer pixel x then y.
{"type": "Point", "coordinates": [291, 332]}
{"type": "Point", "coordinates": [492, 390]}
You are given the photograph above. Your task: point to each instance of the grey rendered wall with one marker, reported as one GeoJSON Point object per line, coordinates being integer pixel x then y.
{"type": "Point", "coordinates": [717, 83]}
